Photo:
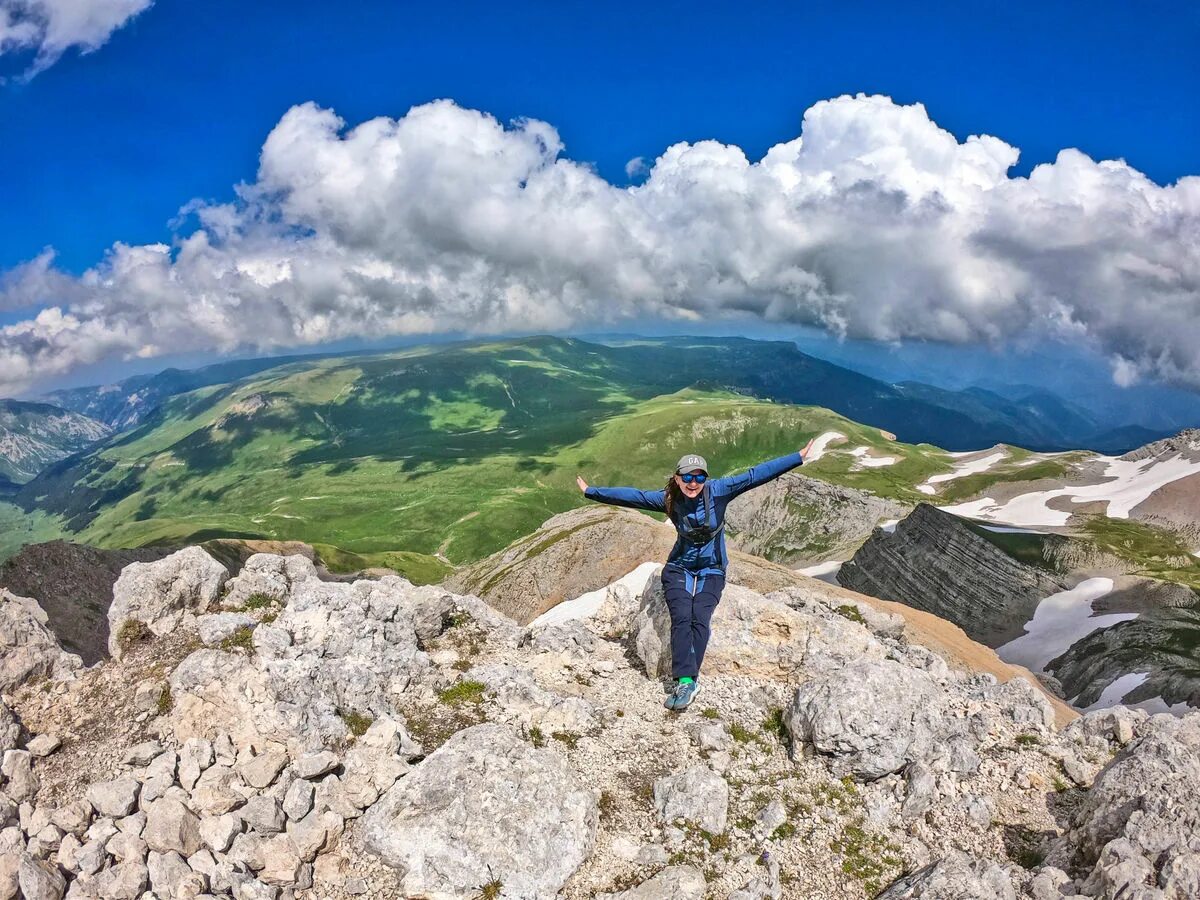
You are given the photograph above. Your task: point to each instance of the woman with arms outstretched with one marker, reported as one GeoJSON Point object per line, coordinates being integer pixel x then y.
{"type": "Point", "coordinates": [694, 575]}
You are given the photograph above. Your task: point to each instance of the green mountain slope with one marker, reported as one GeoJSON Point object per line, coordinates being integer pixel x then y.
{"type": "Point", "coordinates": [450, 450]}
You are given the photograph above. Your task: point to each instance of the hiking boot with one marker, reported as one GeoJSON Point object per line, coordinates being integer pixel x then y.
{"type": "Point", "coordinates": [683, 696]}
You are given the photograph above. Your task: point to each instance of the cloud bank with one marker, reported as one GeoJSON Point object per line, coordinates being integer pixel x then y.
{"type": "Point", "coordinates": [874, 223]}
{"type": "Point", "coordinates": [52, 27]}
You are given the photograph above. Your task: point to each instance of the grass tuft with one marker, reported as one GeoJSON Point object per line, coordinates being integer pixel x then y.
{"type": "Point", "coordinates": [356, 721]}
{"type": "Point", "coordinates": [463, 693]}
{"type": "Point", "coordinates": [242, 639]}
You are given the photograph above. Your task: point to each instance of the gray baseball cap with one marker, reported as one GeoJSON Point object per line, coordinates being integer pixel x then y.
{"type": "Point", "coordinates": [689, 462]}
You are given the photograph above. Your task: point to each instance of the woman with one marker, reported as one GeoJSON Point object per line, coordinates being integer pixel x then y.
{"type": "Point", "coordinates": [694, 575]}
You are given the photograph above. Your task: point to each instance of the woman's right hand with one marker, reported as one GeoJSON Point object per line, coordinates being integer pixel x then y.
{"type": "Point", "coordinates": [583, 485]}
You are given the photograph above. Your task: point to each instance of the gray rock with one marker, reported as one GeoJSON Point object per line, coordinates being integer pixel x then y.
{"type": "Point", "coordinates": [114, 798]}
{"type": "Point", "coordinates": [158, 594]}
{"type": "Point", "coordinates": [955, 877]}
{"type": "Point", "coordinates": [142, 754]}
{"type": "Point", "coordinates": [345, 647]}
{"type": "Point", "coordinates": [218, 832]}
{"type": "Point", "coordinates": [43, 745]}
{"type": "Point", "coordinates": [124, 881]}
{"type": "Point", "coordinates": [310, 834]}
{"type": "Point", "coordinates": [125, 847]}
{"type": "Point", "coordinates": [519, 695]}
{"type": "Point", "coordinates": [268, 575]}
{"type": "Point", "coordinates": [1142, 809]}
{"type": "Point", "coordinates": [872, 716]}
{"type": "Point", "coordinates": [40, 880]}
{"type": "Point", "coordinates": [28, 649]}
{"type": "Point", "coordinates": [771, 816]}
{"type": "Point", "coordinates": [10, 728]}
{"type": "Point", "coordinates": [713, 736]}
{"type": "Point", "coordinates": [171, 877]}
{"type": "Point", "coordinates": [91, 857]}
{"type": "Point", "coordinates": [485, 805]}
{"type": "Point", "coordinates": [148, 694]}
{"type": "Point", "coordinates": [196, 756]}
{"type": "Point", "coordinates": [314, 765]}
{"type": "Point", "coordinates": [262, 814]}
{"type": "Point", "coordinates": [215, 792]}
{"type": "Point", "coordinates": [298, 800]}
{"type": "Point", "coordinates": [17, 767]}
{"type": "Point", "coordinates": [1116, 724]}
{"type": "Point", "coordinates": [673, 883]}
{"type": "Point", "coordinates": [697, 795]}
{"type": "Point", "coordinates": [216, 627]}
{"type": "Point", "coordinates": [172, 826]}
{"type": "Point", "coordinates": [263, 769]}
{"type": "Point", "coordinates": [281, 863]}
{"type": "Point", "coordinates": [10, 867]}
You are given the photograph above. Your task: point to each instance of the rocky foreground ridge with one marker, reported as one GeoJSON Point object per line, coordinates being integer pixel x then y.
{"type": "Point", "coordinates": [274, 735]}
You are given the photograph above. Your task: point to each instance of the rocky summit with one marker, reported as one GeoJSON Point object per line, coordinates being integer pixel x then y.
{"type": "Point", "coordinates": [271, 734]}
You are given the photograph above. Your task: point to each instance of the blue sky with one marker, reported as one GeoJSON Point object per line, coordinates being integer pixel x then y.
{"type": "Point", "coordinates": [107, 146]}
{"type": "Point", "coordinates": [889, 224]}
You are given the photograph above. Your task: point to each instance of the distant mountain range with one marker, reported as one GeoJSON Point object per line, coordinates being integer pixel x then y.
{"type": "Point", "coordinates": [34, 435]}
{"type": "Point", "coordinates": [955, 420]}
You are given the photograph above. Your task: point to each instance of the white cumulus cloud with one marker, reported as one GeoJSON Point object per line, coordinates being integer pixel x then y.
{"type": "Point", "coordinates": [52, 27]}
{"type": "Point", "coordinates": [873, 223]}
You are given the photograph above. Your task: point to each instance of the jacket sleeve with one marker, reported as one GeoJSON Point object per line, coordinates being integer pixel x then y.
{"type": "Point", "coordinates": [655, 501]}
{"type": "Point", "coordinates": [759, 474]}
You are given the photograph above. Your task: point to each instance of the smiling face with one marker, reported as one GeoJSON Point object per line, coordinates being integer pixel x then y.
{"type": "Point", "coordinates": [692, 490]}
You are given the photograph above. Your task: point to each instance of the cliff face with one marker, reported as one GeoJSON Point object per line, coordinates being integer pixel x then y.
{"type": "Point", "coordinates": [796, 520]}
{"type": "Point", "coordinates": [1158, 655]}
{"type": "Point", "coordinates": [935, 562]}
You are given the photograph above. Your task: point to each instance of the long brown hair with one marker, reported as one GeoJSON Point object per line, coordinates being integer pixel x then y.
{"type": "Point", "coordinates": [672, 494]}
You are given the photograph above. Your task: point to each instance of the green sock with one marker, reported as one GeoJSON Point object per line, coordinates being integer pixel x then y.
{"type": "Point", "coordinates": [686, 680]}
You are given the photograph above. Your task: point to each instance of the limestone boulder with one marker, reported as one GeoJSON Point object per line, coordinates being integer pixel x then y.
{"type": "Point", "coordinates": [484, 806]}
{"type": "Point", "coordinates": [955, 877]}
{"type": "Point", "coordinates": [873, 717]}
{"type": "Point", "coordinates": [28, 648]}
{"type": "Point", "coordinates": [159, 594]}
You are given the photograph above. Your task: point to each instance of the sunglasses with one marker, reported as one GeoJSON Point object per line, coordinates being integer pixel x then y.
{"type": "Point", "coordinates": [689, 477]}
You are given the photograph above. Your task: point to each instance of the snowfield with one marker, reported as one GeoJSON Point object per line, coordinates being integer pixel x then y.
{"type": "Point", "coordinates": [826, 571]}
{"type": "Point", "coordinates": [962, 470]}
{"type": "Point", "coordinates": [1131, 482]}
{"type": "Point", "coordinates": [822, 442]}
{"type": "Point", "coordinates": [871, 462]}
{"type": "Point", "coordinates": [1058, 622]}
{"type": "Point", "coordinates": [586, 605]}
{"type": "Point", "coordinates": [1116, 693]}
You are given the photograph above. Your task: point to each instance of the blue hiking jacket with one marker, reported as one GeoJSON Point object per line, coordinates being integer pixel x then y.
{"type": "Point", "coordinates": [707, 511]}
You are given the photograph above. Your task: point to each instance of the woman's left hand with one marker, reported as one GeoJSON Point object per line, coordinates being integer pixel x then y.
{"type": "Point", "coordinates": [807, 449]}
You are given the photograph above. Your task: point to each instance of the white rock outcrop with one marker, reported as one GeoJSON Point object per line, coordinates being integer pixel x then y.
{"type": "Point", "coordinates": [485, 806]}
{"type": "Point", "coordinates": [28, 649]}
{"type": "Point", "coordinates": [159, 594]}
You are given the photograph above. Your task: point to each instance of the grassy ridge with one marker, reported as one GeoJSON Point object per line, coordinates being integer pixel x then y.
{"type": "Point", "coordinates": [426, 457]}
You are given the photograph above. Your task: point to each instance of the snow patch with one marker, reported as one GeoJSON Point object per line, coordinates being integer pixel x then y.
{"type": "Point", "coordinates": [821, 443]}
{"type": "Point", "coordinates": [1058, 622]}
{"type": "Point", "coordinates": [1122, 687]}
{"type": "Point", "coordinates": [889, 526]}
{"type": "Point", "coordinates": [962, 470]}
{"type": "Point", "coordinates": [1131, 482]}
{"type": "Point", "coordinates": [826, 571]}
{"type": "Point", "coordinates": [871, 462]}
{"type": "Point", "coordinates": [586, 605]}
{"type": "Point", "coordinates": [1008, 529]}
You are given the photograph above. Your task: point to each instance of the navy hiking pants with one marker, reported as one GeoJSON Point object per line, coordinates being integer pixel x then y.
{"type": "Point", "coordinates": [691, 600]}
